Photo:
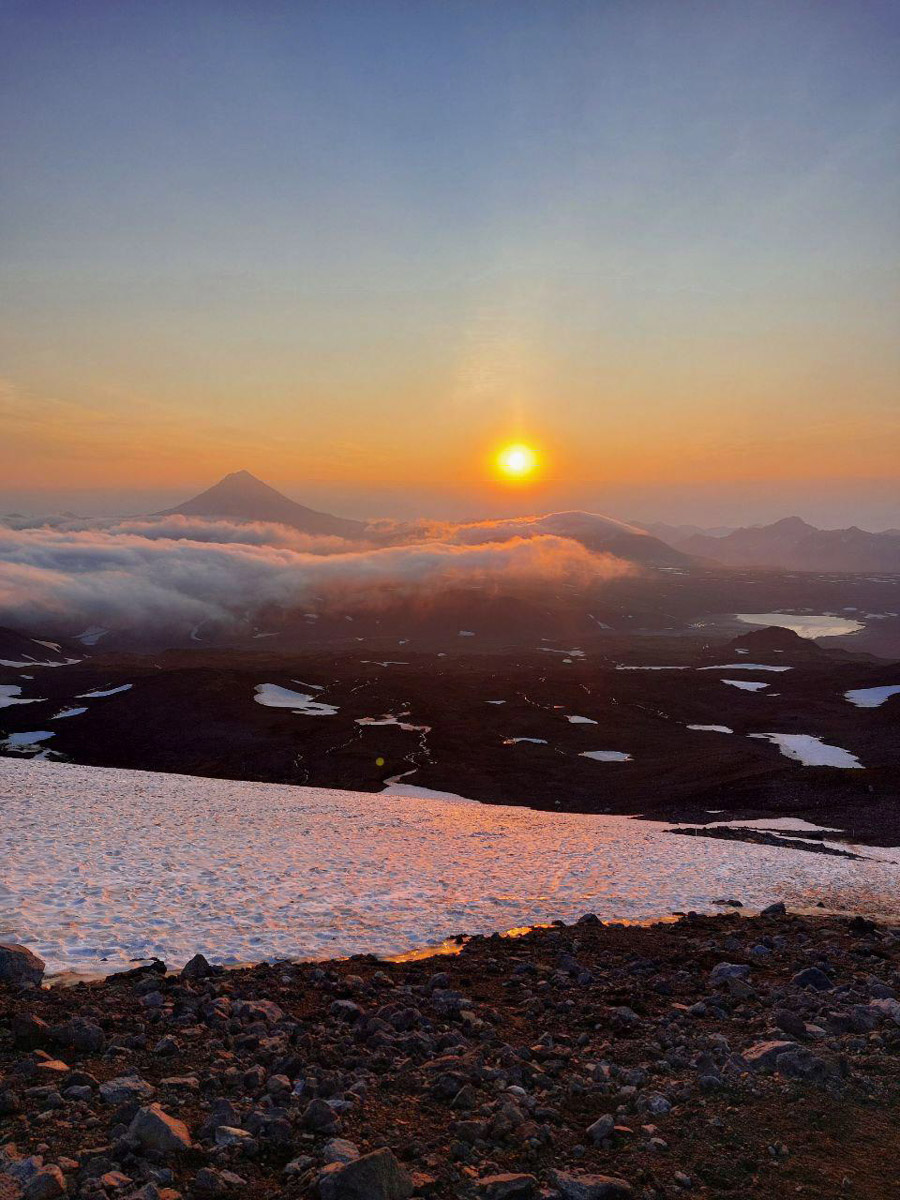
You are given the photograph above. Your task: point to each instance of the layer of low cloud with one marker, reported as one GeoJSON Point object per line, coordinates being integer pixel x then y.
{"type": "Point", "coordinates": [172, 574]}
{"type": "Point", "coordinates": [577, 525]}
{"type": "Point", "coordinates": [195, 529]}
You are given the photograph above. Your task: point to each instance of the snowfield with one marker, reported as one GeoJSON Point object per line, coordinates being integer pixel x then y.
{"type": "Point", "coordinates": [810, 750]}
{"type": "Point", "coordinates": [872, 697]}
{"type": "Point", "coordinates": [103, 866]}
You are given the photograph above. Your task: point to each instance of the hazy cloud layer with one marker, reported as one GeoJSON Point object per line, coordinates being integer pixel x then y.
{"type": "Point", "coordinates": [173, 573]}
{"type": "Point", "coordinates": [468, 533]}
{"type": "Point", "coordinates": [176, 527]}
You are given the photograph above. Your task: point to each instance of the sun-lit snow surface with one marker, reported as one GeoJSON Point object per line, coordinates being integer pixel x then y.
{"type": "Point", "coordinates": [33, 662]}
{"type": "Point", "coordinates": [744, 666]}
{"type": "Point", "coordinates": [391, 719]}
{"type": "Point", "coordinates": [394, 787]}
{"type": "Point", "coordinates": [806, 625]}
{"type": "Point", "coordinates": [23, 741]}
{"type": "Point", "coordinates": [778, 825]}
{"type": "Point", "coordinates": [621, 667]}
{"type": "Point", "coordinates": [92, 635]}
{"type": "Point", "coordinates": [809, 750]}
{"type": "Point", "coordinates": [273, 696]}
{"type": "Point", "coordinates": [745, 685]}
{"type": "Point", "coordinates": [131, 863]}
{"type": "Point", "coordinates": [11, 694]}
{"type": "Point", "coordinates": [872, 697]}
{"type": "Point", "coordinates": [113, 691]}
{"type": "Point", "coordinates": [712, 728]}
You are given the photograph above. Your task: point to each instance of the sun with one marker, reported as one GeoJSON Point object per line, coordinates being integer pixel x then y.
{"type": "Point", "coordinates": [517, 461]}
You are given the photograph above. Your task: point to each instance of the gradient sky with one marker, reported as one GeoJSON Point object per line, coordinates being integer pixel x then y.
{"type": "Point", "coordinates": [354, 246]}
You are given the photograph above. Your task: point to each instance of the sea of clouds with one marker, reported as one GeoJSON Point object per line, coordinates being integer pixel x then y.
{"type": "Point", "coordinates": [61, 574]}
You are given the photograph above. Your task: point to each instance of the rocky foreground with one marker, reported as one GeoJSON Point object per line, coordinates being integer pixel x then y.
{"type": "Point", "coordinates": [719, 1056]}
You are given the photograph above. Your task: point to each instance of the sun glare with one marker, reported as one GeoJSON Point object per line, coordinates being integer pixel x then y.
{"type": "Point", "coordinates": [517, 461]}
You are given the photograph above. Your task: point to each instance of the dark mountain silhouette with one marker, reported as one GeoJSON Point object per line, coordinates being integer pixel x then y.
{"type": "Point", "coordinates": [242, 497]}
{"type": "Point", "coordinates": [794, 545]}
{"type": "Point", "coordinates": [761, 645]}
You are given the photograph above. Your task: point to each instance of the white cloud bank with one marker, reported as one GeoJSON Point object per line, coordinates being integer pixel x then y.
{"type": "Point", "coordinates": [174, 572]}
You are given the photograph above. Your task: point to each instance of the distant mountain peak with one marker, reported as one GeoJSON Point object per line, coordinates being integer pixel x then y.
{"type": "Point", "coordinates": [788, 525]}
{"type": "Point", "coordinates": [244, 483]}
{"type": "Point", "coordinates": [792, 544]}
{"type": "Point", "coordinates": [241, 496]}
{"type": "Point", "coordinates": [242, 475]}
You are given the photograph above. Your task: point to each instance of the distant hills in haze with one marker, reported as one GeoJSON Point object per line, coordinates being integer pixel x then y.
{"type": "Point", "coordinates": [242, 497]}
{"type": "Point", "coordinates": [791, 544]}
{"type": "Point", "coordinates": [609, 536]}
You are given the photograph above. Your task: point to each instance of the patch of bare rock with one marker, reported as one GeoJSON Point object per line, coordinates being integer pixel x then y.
{"type": "Point", "coordinates": [720, 1056]}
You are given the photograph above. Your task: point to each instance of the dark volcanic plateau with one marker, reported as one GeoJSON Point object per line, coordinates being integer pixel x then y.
{"type": "Point", "coordinates": [195, 712]}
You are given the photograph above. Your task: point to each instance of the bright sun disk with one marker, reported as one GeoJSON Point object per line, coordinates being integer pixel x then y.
{"type": "Point", "coordinates": [517, 461]}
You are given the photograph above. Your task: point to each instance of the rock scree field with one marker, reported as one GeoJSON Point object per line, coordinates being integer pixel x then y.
{"type": "Point", "coordinates": [716, 1057]}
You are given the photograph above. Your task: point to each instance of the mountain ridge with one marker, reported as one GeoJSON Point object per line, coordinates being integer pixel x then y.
{"type": "Point", "coordinates": [793, 544]}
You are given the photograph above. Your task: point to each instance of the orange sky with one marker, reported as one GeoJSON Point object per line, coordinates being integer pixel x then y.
{"type": "Point", "coordinates": [120, 441]}
{"type": "Point", "coordinates": [361, 247]}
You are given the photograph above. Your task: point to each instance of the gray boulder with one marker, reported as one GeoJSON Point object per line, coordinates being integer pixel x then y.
{"type": "Point", "coordinates": [801, 1063]}
{"type": "Point", "coordinates": [601, 1129]}
{"type": "Point", "coordinates": [47, 1184]}
{"type": "Point", "coordinates": [339, 1150]}
{"type": "Point", "coordinates": [591, 1187]}
{"type": "Point", "coordinates": [790, 1023]}
{"type": "Point", "coordinates": [887, 1008]}
{"type": "Point", "coordinates": [196, 968]}
{"type": "Point", "coordinates": [763, 1056]}
{"type": "Point", "coordinates": [375, 1176]}
{"type": "Point", "coordinates": [153, 1129]}
{"type": "Point", "coordinates": [22, 1170]}
{"type": "Point", "coordinates": [506, 1187]}
{"type": "Point", "coordinates": [319, 1116]}
{"type": "Point", "coordinates": [126, 1089]}
{"type": "Point", "coordinates": [29, 1031]}
{"type": "Point", "coordinates": [80, 1034]}
{"type": "Point", "coordinates": [812, 977]}
{"type": "Point", "coordinates": [19, 966]}
{"type": "Point", "coordinates": [229, 1135]}
{"type": "Point", "coordinates": [724, 971]}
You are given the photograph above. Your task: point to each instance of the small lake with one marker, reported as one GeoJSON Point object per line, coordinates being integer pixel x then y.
{"type": "Point", "coordinates": [808, 625]}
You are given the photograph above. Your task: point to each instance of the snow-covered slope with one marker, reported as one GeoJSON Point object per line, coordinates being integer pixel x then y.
{"type": "Point", "coordinates": [101, 866]}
